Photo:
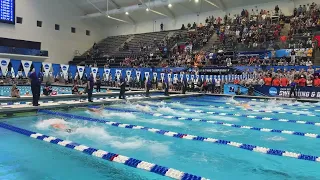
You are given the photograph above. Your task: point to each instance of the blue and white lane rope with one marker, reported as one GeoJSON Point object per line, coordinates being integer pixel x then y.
{"type": "Point", "coordinates": [311, 135]}
{"type": "Point", "coordinates": [135, 163]}
{"type": "Point", "coordinates": [247, 116]}
{"type": "Point", "coordinates": [252, 110]}
{"type": "Point", "coordinates": [247, 147]}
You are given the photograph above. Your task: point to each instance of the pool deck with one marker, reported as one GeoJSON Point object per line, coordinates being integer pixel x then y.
{"type": "Point", "coordinates": [77, 103]}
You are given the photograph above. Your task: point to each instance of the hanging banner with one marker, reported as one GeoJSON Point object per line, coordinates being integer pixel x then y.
{"type": "Point", "coordinates": [197, 78]}
{"type": "Point", "coordinates": [138, 73]}
{"type": "Point", "coordinates": [162, 77]}
{"type": "Point", "coordinates": [192, 77]}
{"type": "Point", "coordinates": [4, 63]}
{"type": "Point", "coordinates": [146, 75]}
{"type": "Point", "coordinates": [128, 73]}
{"type": "Point", "coordinates": [46, 68]}
{"type": "Point", "coordinates": [187, 76]}
{"type": "Point", "coordinates": [211, 78]}
{"type": "Point", "coordinates": [72, 70]}
{"type": "Point", "coordinates": [26, 67]}
{"type": "Point", "coordinates": [80, 71]}
{"type": "Point", "coordinates": [15, 65]}
{"type": "Point", "coordinates": [94, 71]}
{"type": "Point", "coordinates": [107, 71]}
{"type": "Point", "coordinates": [169, 78]}
{"type": "Point", "coordinates": [207, 77]}
{"type": "Point", "coordinates": [155, 74]}
{"type": "Point", "coordinates": [64, 68]}
{"type": "Point", "coordinates": [181, 77]}
{"type": "Point", "coordinates": [202, 78]}
{"type": "Point", "coordinates": [175, 77]}
{"type": "Point", "coordinates": [56, 69]}
{"type": "Point", "coordinates": [118, 73]}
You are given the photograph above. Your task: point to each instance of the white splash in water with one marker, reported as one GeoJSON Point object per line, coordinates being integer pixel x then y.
{"type": "Point", "coordinates": [166, 122]}
{"type": "Point", "coordinates": [108, 114]}
{"type": "Point", "coordinates": [161, 103]}
{"type": "Point", "coordinates": [180, 105]}
{"type": "Point", "coordinates": [276, 138]}
{"type": "Point", "coordinates": [46, 124]}
{"type": "Point", "coordinates": [143, 108]}
{"type": "Point", "coordinates": [214, 130]}
{"type": "Point", "coordinates": [168, 110]}
{"type": "Point", "coordinates": [99, 135]}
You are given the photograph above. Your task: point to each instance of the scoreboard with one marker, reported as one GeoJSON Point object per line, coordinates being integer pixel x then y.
{"type": "Point", "coordinates": [7, 11]}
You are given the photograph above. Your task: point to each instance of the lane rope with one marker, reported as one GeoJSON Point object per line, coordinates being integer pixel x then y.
{"type": "Point", "coordinates": [167, 116]}
{"type": "Point", "coordinates": [248, 147]}
{"type": "Point", "coordinates": [243, 108]}
{"type": "Point", "coordinates": [246, 116]}
{"type": "Point", "coordinates": [113, 157]}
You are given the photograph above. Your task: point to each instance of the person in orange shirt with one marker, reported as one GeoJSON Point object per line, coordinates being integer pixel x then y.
{"type": "Point", "coordinates": [316, 81]}
{"type": "Point", "coordinates": [284, 81]}
{"type": "Point", "coordinates": [267, 80]}
{"type": "Point", "coordinates": [236, 81]}
{"type": "Point", "coordinates": [276, 81]}
{"type": "Point", "coordinates": [302, 81]}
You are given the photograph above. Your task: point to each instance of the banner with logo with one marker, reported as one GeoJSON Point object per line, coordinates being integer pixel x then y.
{"type": "Point", "coordinates": [169, 78]}
{"type": "Point", "coordinates": [175, 77]}
{"type": "Point", "coordinates": [128, 73]}
{"type": "Point", "coordinates": [118, 73]}
{"type": "Point", "coordinates": [107, 71]}
{"type": "Point", "coordinates": [64, 68]}
{"type": "Point", "coordinates": [146, 75]}
{"type": "Point", "coordinates": [4, 63]}
{"type": "Point", "coordinates": [46, 68]}
{"type": "Point", "coordinates": [162, 77]}
{"type": "Point", "coordinates": [192, 77]}
{"type": "Point", "coordinates": [80, 71]}
{"type": "Point", "coordinates": [15, 65]}
{"type": "Point", "coordinates": [181, 77]}
{"type": "Point", "coordinates": [155, 76]}
{"type": "Point", "coordinates": [188, 77]}
{"type": "Point", "coordinates": [94, 71]}
{"type": "Point", "coordinates": [197, 78]}
{"type": "Point", "coordinates": [138, 73]}
{"type": "Point", "coordinates": [302, 92]}
{"type": "Point", "coordinates": [202, 78]}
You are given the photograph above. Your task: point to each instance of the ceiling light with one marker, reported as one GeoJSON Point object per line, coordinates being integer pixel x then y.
{"type": "Point", "coordinates": [108, 16]}
{"type": "Point", "coordinates": [169, 5]}
{"type": "Point", "coordinates": [196, 1]}
{"type": "Point", "coordinates": [147, 9]}
{"type": "Point", "coordinates": [127, 13]}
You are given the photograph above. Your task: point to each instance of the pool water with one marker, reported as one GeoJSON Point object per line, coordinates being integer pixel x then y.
{"type": "Point", "coordinates": [198, 157]}
{"type": "Point", "coordinates": [6, 90]}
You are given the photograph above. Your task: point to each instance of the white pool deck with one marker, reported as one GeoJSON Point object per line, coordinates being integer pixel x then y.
{"type": "Point", "coordinates": [14, 108]}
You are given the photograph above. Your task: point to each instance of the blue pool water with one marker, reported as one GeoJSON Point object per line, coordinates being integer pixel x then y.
{"type": "Point", "coordinates": [5, 90]}
{"type": "Point", "coordinates": [201, 158]}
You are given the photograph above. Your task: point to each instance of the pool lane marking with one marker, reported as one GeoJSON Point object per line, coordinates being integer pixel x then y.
{"type": "Point", "coordinates": [132, 162]}
{"type": "Point", "coordinates": [167, 116]}
{"type": "Point", "coordinates": [246, 116]}
{"type": "Point", "coordinates": [280, 104]}
{"type": "Point", "coordinates": [242, 108]}
{"type": "Point", "coordinates": [248, 147]}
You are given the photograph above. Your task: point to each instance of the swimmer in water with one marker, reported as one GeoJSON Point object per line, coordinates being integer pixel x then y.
{"type": "Point", "coordinates": [95, 110]}
{"type": "Point", "coordinates": [247, 106]}
{"type": "Point", "coordinates": [61, 127]}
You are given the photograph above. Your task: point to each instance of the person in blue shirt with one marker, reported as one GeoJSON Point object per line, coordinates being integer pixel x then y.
{"type": "Point", "coordinates": [293, 88]}
{"type": "Point", "coordinates": [35, 87]}
{"type": "Point", "coordinates": [122, 85]}
{"type": "Point", "coordinates": [166, 87]}
{"type": "Point", "coordinates": [90, 85]}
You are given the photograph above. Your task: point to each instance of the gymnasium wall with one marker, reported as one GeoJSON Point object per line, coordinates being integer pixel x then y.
{"type": "Point", "coordinates": [61, 44]}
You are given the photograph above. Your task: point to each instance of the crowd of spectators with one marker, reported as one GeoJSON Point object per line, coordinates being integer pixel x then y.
{"type": "Point", "coordinates": [280, 77]}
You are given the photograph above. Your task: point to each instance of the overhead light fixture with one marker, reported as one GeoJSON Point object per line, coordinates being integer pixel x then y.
{"type": "Point", "coordinates": [169, 5]}
{"type": "Point", "coordinates": [213, 4]}
{"type": "Point", "coordinates": [196, 1]}
{"type": "Point", "coordinates": [127, 13]}
{"type": "Point", "coordinates": [147, 9]}
{"type": "Point", "coordinates": [108, 16]}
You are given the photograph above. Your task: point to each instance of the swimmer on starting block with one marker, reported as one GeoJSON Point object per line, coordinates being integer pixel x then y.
{"type": "Point", "coordinates": [61, 127]}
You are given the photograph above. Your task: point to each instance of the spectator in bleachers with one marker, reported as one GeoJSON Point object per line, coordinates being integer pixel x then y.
{"type": "Point", "coordinates": [183, 27]}
{"type": "Point", "coordinates": [161, 27]}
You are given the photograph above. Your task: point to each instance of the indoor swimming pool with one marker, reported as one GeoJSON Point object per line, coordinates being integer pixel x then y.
{"type": "Point", "coordinates": [207, 136]}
